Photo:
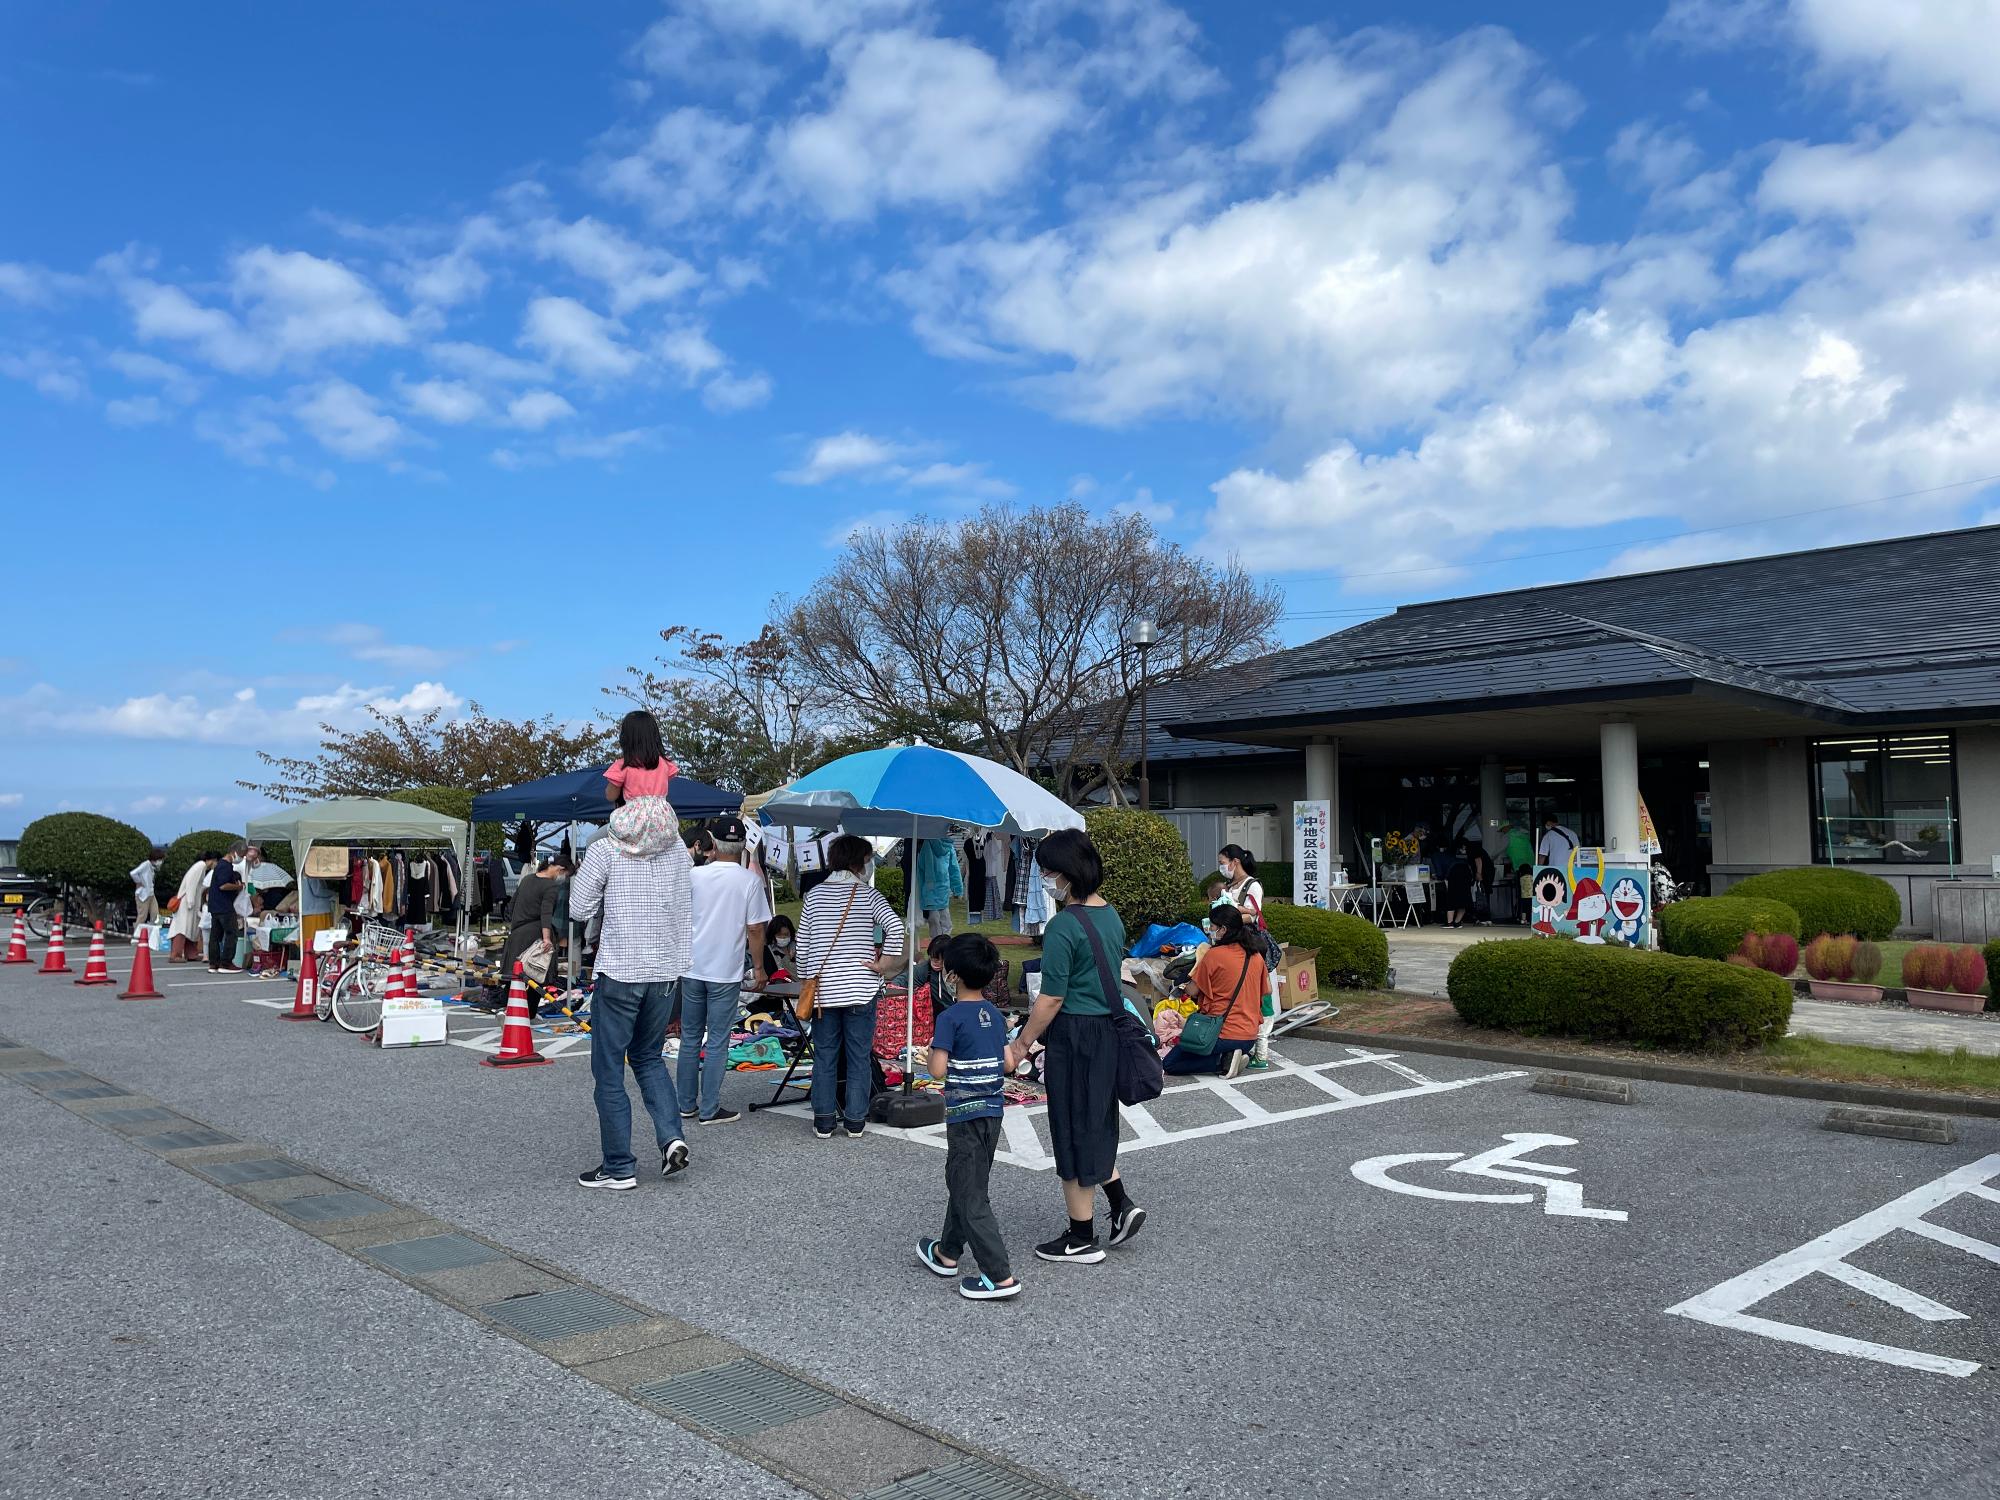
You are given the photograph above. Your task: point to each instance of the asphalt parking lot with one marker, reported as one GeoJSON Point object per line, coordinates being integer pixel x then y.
{"type": "Point", "coordinates": [1457, 1317]}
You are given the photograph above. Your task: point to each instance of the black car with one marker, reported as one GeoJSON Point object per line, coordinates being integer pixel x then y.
{"type": "Point", "coordinates": [20, 892]}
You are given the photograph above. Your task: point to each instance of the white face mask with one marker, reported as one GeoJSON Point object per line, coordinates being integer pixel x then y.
{"type": "Point", "coordinates": [948, 986]}
{"type": "Point", "coordinates": [1053, 886]}
{"type": "Point", "coordinates": [1223, 871]}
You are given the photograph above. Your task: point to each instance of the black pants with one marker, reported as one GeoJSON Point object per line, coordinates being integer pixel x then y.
{"type": "Point", "coordinates": [968, 1217]}
{"type": "Point", "coordinates": [221, 939]}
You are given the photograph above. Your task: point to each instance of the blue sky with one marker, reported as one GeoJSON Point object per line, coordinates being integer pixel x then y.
{"type": "Point", "coordinates": [429, 354]}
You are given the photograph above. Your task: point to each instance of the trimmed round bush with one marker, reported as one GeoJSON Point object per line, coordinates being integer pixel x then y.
{"type": "Point", "coordinates": [189, 847]}
{"type": "Point", "coordinates": [83, 849]}
{"type": "Point", "coordinates": [1146, 875]}
{"type": "Point", "coordinates": [1353, 952]}
{"type": "Point", "coordinates": [1545, 987]}
{"type": "Point", "coordinates": [1713, 926]}
{"type": "Point", "coordinates": [889, 881]}
{"type": "Point", "coordinates": [1828, 900]}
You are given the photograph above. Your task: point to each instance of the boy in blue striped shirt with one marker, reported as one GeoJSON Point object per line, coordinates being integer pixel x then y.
{"type": "Point", "coordinates": [968, 1044]}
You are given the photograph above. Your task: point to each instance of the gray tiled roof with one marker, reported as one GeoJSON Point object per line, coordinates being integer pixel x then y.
{"type": "Point", "coordinates": [1906, 627]}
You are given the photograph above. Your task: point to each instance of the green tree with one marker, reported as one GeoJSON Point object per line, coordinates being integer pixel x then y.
{"type": "Point", "coordinates": [454, 802]}
{"type": "Point", "coordinates": [189, 847]}
{"type": "Point", "coordinates": [83, 849]}
{"type": "Point", "coordinates": [475, 751]}
{"type": "Point", "coordinates": [1146, 874]}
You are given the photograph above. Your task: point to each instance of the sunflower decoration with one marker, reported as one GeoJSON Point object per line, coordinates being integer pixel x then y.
{"type": "Point", "coordinates": [1400, 847]}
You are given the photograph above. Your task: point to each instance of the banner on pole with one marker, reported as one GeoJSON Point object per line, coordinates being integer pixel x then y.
{"type": "Point", "coordinates": [1312, 852]}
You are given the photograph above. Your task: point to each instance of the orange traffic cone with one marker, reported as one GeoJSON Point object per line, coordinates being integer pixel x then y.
{"type": "Point", "coordinates": [96, 969]}
{"type": "Point", "coordinates": [17, 945]}
{"type": "Point", "coordinates": [55, 961]}
{"type": "Point", "coordinates": [305, 999]}
{"type": "Point", "coordinates": [517, 1041]}
{"type": "Point", "coordinates": [140, 987]}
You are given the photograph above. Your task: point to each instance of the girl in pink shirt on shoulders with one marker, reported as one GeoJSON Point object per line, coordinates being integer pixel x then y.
{"type": "Point", "coordinates": [642, 768]}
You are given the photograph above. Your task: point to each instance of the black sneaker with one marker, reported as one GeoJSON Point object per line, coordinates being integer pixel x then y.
{"type": "Point", "coordinates": [722, 1117]}
{"type": "Point", "coordinates": [673, 1158]}
{"type": "Point", "coordinates": [689, 1114]}
{"type": "Point", "coordinates": [1076, 1252]}
{"type": "Point", "coordinates": [823, 1129]}
{"type": "Point", "coordinates": [1127, 1222]}
{"type": "Point", "coordinates": [597, 1177]}
{"type": "Point", "coordinates": [854, 1127]}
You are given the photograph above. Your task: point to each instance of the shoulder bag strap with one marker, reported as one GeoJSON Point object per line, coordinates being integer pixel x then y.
{"type": "Point", "coordinates": [1114, 992]}
{"type": "Point", "coordinates": [839, 928]}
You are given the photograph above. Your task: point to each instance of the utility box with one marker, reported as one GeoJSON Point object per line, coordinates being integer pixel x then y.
{"type": "Point", "coordinates": [1260, 833]}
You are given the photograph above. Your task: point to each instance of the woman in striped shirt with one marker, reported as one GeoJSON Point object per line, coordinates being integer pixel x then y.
{"type": "Point", "coordinates": [837, 946]}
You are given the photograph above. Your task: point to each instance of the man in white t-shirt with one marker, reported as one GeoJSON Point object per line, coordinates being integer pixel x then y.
{"type": "Point", "coordinates": [1557, 843]}
{"type": "Point", "coordinates": [732, 905]}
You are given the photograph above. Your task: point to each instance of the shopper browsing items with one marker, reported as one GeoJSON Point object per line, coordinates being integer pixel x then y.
{"type": "Point", "coordinates": [145, 905]}
{"type": "Point", "coordinates": [731, 908]}
{"type": "Point", "coordinates": [224, 886]}
{"type": "Point", "coordinates": [837, 949]}
{"type": "Point", "coordinates": [1080, 1064]}
{"type": "Point", "coordinates": [968, 1050]}
{"type": "Point", "coordinates": [1227, 984]}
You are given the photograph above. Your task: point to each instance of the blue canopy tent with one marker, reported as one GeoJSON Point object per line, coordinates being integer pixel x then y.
{"type": "Point", "coordinates": [578, 797]}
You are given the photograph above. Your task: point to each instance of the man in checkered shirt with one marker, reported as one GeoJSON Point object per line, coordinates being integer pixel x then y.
{"type": "Point", "coordinates": [638, 878]}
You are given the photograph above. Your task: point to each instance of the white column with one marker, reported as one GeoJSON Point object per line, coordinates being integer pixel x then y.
{"type": "Point", "coordinates": [1323, 785]}
{"type": "Point", "coordinates": [1492, 807]}
{"type": "Point", "coordinates": [1618, 743]}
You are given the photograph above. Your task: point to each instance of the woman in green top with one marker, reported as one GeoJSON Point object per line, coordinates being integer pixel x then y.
{"type": "Point", "coordinates": [1080, 1068]}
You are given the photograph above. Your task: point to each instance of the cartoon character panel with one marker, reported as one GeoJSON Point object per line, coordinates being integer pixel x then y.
{"type": "Point", "coordinates": [1593, 902]}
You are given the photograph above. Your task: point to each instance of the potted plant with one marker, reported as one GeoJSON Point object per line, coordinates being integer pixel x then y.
{"type": "Point", "coordinates": [1400, 851]}
{"type": "Point", "coordinates": [1945, 976]}
{"type": "Point", "coordinates": [1843, 968]}
{"type": "Point", "coordinates": [1775, 952]}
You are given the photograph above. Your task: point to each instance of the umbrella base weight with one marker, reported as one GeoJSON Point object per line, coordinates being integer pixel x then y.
{"type": "Point", "coordinates": [909, 1111]}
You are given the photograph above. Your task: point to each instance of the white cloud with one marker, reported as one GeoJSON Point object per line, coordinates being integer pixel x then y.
{"type": "Point", "coordinates": [449, 401]}
{"type": "Point", "coordinates": [52, 374]}
{"type": "Point", "coordinates": [36, 286]}
{"type": "Point", "coordinates": [917, 119]}
{"type": "Point", "coordinates": [1319, 91]}
{"type": "Point", "coordinates": [1125, 48]}
{"type": "Point", "coordinates": [689, 351]}
{"type": "Point", "coordinates": [174, 380]}
{"type": "Point", "coordinates": [1718, 25]}
{"type": "Point", "coordinates": [843, 454]}
{"type": "Point", "coordinates": [838, 535]}
{"type": "Point", "coordinates": [508, 458]}
{"type": "Point", "coordinates": [1936, 52]}
{"type": "Point", "coordinates": [1142, 504]}
{"type": "Point", "coordinates": [605, 446]}
{"type": "Point", "coordinates": [148, 804]}
{"type": "Point", "coordinates": [690, 162]}
{"type": "Point", "coordinates": [811, 23]}
{"type": "Point", "coordinates": [478, 362]}
{"type": "Point", "coordinates": [347, 420]}
{"type": "Point", "coordinates": [10, 799]}
{"type": "Point", "coordinates": [633, 274]}
{"type": "Point", "coordinates": [962, 479]}
{"type": "Point", "coordinates": [733, 393]}
{"type": "Point", "coordinates": [370, 643]}
{"type": "Point", "coordinates": [457, 275]}
{"type": "Point", "coordinates": [534, 410]}
{"type": "Point", "coordinates": [569, 334]}
{"type": "Point", "coordinates": [240, 719]}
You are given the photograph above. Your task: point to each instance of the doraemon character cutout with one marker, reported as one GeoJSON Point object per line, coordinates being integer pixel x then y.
{"type": "Point", "coordinates": [1588, 909]}
{"type": "Point", "coordinates": [1627, 920]}
{"type": "Point", "coordinates": [1551, 893]}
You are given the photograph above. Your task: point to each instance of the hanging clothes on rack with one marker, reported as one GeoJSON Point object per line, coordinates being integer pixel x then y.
{"type": "Point", "coordinates": [417, 891]}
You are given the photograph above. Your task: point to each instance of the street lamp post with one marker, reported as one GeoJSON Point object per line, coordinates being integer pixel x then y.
{"type": "Point", "coordinates": [1142, 637]}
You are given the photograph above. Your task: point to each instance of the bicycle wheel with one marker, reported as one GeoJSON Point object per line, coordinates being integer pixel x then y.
{"type": "Point", "coordinates": [41, 916]}
{"type": "Point", "coordinates": [357, 998]}
{"type": "Point", "coordinates": [323, 993]}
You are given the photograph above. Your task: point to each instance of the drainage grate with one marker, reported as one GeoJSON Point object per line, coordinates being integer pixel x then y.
{"type": "Point", "coordinates": [40, 1076]}
{"type": "Point", "coordinates": [152, 1114]}
{"type": "Point", "coordinates": [559, 1314]}
{"type": "Point", "coordinates": [437, 1252]}
{"type": "Point", "coordinates": [737, 1399]}
{"type": "Point", "coordinates": [320, 1207]}
{"type": "Point", "coordinates": [89, 1091]}
{"type": "Point", "coordinates": [183, 1140]}
{"type": "Point", "coordinates": [261, 1169]}
{"type": "Point", "coordinates": [968, 1479]}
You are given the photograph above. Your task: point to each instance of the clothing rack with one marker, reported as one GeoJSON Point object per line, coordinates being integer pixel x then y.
{"type": "Point", "coordinates": [462, 923]}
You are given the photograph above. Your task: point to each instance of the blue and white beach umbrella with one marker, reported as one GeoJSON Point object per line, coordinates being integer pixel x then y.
{"type": "Point", "coordinates": [918, 791]}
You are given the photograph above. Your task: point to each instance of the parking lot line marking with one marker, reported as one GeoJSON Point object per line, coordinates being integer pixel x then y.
{"type": "Point", "coordinates": [1023, 1145]}
{"type": "Point", "coordinates": [1406, 1070]}
{"type": "Point", "coordinates": [1884, 1290]}
{"type": "Point", "coordinates": [1144, 1125]}
{"type": "Point", "coordinates": [1726, 1306]}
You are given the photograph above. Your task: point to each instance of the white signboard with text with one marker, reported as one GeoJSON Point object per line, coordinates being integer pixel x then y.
{"type": "Point", "coordinates": [1312, 852]}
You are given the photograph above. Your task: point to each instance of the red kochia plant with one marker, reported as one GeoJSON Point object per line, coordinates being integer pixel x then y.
{"type": "Point", "coordinates": [1775, 952]}
{"type": "Point", "coordinates": [1922, 967]}
{"type": "Point", "coordinates": [1831, 959]}
{"type": "Point", "coordinates": [1968, 969]}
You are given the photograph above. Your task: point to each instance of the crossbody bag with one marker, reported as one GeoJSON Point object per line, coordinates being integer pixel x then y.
{"type": "Point", "coordinates": [1139, 1077]}
{"type": "Point", "coordinates": [808, 1000]}
{"type": "Point", "coordinates": [1202, 1031]}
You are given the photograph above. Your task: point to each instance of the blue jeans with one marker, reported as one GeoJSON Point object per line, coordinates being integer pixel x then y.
{"type": "Point", "coordinates": [708, 1015]}
{"type": "Point", "coordinates": [628, 1024]}
{"type": "Point", "coordinates": [1180, 1060]}
{"type": "Point", "coordinates": [848, 1030]}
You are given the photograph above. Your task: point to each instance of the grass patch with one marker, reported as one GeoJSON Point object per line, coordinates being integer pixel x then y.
{"type": "Point", "coordinates": [1815, 1058]}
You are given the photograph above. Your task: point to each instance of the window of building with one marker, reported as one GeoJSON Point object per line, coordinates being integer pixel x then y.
{"type": "Point", "coordinates": [1885, 799]}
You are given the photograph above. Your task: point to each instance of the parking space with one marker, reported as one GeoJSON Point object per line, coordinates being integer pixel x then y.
{"type": "Point", "coordinates": [1364, 1263]}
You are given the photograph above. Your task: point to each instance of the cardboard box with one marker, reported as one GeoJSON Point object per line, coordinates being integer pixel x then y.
{"type": "Point", "coordinates": [1298, 977]}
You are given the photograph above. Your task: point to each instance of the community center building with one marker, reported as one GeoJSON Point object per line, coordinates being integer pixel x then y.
{"type": "Point", "coordinates": [1839, 706]}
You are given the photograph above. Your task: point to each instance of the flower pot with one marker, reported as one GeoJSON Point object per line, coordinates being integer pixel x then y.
{"type": "Point", "coordinates": [1946, 1000]}
{"type": "Point", "coordinates": [1847, 994]}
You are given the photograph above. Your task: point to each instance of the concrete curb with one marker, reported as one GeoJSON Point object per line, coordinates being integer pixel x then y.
{"type": "Point", "coordinates": [1696, 1077]}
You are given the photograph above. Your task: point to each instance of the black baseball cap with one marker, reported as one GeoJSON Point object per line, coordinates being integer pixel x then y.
{"type": "Point", "coordinates": [728, 830]}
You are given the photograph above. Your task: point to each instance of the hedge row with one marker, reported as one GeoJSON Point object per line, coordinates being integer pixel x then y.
{"type": "Point", "coordinates": [1713, 926]}
{"type": "Point", "coordinates": [1353, 952]}
{"type": "Point", "coordinates": [1829, 900]}
{"type": "Point", "coordinates": [1545, 987]}
{"type": "Point", "coordinates": [83, 849]}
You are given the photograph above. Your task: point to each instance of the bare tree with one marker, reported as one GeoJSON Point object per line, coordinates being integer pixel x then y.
{"type": "Point", "coordinates": [1006, 632]}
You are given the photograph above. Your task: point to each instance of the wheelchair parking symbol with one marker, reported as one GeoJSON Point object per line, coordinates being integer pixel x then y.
{"type": "Point", "coordinates": [1501, 1163]}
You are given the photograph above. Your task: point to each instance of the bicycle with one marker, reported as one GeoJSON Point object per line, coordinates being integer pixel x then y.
{"type": "Point", "coordinates": [350, 991]}
{"type": "Point", "coordinates": [81, 909]}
